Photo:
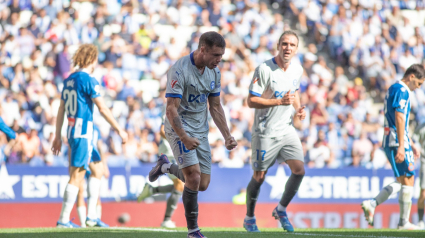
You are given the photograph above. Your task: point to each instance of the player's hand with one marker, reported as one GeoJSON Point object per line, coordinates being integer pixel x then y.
{"type": "Point", "coordinates": [124, 136]}
{"type": "Point", "coordinates": [190, 143]}
{"type": "Point", "coordinates": [56, 146]}
{"type": "Point", "coordinates": [288, 99]}
{"type": "Point", "coordinates": [301, 113]}
{"type": "Point", "coordinates": [399, 157]}
{"type": "Point", "coordinates": [230, 143]}
{"type": "Point", "coordinates": [416, 151]}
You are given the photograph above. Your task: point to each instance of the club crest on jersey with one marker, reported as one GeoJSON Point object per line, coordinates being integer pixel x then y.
{"type": "Point", "coordinates": [212, 85]}
{"type": "Point", "coordinates": [295, 82]}
{"type": "Point", "coordinates": [180, 159]}
{"type": "Point", "coordinates": [173, 82]}
{"type": "Point", "coordinates": [70, 83]}
{"type": "Point", "coordinates": [411, 167]}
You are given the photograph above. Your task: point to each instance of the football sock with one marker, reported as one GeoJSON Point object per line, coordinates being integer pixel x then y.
{"type": "Point", "coordinates": [174, 170]}
{"type": "Point", "coordinates": [81, 210]}
{"type": "Point", "coordinates": [405, 202]}
{"type": "Point", "coordinates": [165, 168]}
{"type": "Point", "coordinates": [291, 188]}
{"type": "Point", "coordinates": [421, 214]}
{"type": "Point", "coordinates": [252, 192]}
{"type": "Point", "coordinates": [172, 204]}
{"type": "Point", "coordinates": [281, 208]}
{"type": "Point", "coordinates": [163, 189]}
{"type": "Point", "coordinates": [93, 197]}
{"type": "Point", "coordinates": [247, 218]}
{"type": "Point", "coordinates": [99, 211]}
{"type": "Point", "coordinates": [190, 202]}
{"type": "Point", "coordinates": [69, 198]}
{"type": "Point", "coordinates": [387, 191]}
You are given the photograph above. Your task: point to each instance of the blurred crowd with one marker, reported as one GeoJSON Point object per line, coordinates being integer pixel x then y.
{"type": "Point", "coordinates": [351, 51]}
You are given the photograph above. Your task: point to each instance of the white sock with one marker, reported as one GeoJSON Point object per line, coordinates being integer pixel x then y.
{"type": "Point", "coordinates": [281, 208]}
{"type": "Point", "coordinates": [69, 198]}
{"type": "Point", "coordinates": [93, 196]}
{"type": "Point", "coordinates": [405, 202]}
{"type": "Point", "coordinates": [82, 215]}
{"type": "Point", "coordinates": [249, 218]}
{"type": "Point", "coordinates": [387, 191]}
{"type": "Point", "coordinates": [373, 203]}
{"type": "Point", "coordinates": [193, 230]}
{"type": "Point", "coordinates": [99, 211]}
{"type": "Point", "coordinates": [166, 168]}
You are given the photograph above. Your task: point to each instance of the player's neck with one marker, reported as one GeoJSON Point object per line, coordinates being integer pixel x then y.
{"type": "Point", "coordinates": [198, 62]}
{"type": "Point", "coordinates": [283, 65]}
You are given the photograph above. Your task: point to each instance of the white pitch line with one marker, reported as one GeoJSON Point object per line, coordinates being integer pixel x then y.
{"type": "Point", "coordinates": [335, 235]}
{"type": "Point", "coordinates": [144, 229]}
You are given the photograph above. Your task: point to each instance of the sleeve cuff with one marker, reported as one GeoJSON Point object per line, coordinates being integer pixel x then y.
{"type": "Point", "coordinates": [254, 93]}
{"type": "Point", "coordinates": [214, 94]}
{"type": "Point", "coordinates": [96, 96]}
{"type": "Point", "coordinates": [399, 110]}
{"type": "Point", "coordinates": [173, 95]}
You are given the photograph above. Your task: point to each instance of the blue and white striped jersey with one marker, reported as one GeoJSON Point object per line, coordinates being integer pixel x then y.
{"type": "Point", "coordinates": [397, 99]}
{"type": "Point", "coordinates": [78, 91]}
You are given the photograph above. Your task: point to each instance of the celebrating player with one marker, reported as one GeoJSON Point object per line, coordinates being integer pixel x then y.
{"type": "Point", "coordinates": [176, 189]}
{"type": "Point", "coordinates": [193, 81]}
{"type": "Point", "coordinates": [273, 93]}
{"type": "Point", "coordinates": [398, 147]}
{"type": "Point", "coordinates": [79, 93]}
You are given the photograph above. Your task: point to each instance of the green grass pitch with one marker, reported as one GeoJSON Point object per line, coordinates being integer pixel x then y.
{"type": "Point", "coordinates": [209, 232]}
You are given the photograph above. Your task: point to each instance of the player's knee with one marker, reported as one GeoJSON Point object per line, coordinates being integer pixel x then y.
{"type": "Point", "coordinates": [259, 176]}
{"type": "Point", "coordinates": [203, 186]}
{"type": "Point", "coordinates": [298, 170]}
{"type": "Point", "coordinates": [193, 178]}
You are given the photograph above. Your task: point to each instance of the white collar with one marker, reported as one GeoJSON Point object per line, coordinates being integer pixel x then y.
{"type": "Point", "coordinates": [404, 85]}
{"type": "Point", "coordinates": [85, 70]}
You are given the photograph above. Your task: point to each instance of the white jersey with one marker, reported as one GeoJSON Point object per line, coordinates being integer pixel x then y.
{"type": "Point", "coordinates": [271, 82]}
{"type": "Point", "coordinates": [186, 82]}
{"type": "Point", "coordinates": [419, 138]}
{"type": "Point", "coordinates": [164, 145]}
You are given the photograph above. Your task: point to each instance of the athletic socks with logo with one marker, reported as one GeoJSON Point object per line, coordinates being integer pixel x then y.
{"type": "Point", "coordinates": [405, 202]}
{"type": "Point", "coordinates": [172, 204]}
{"type": "Point", "coordinates": [190, 202]}
{"type": "Point", "coordinates": [174, 170]}
{"type": "Point", "coordinates": [252, 192]}
{"type": "Point", "coordinates": [291, 188]}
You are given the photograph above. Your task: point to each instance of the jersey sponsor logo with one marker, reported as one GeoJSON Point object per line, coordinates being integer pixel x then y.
{"type": "Point", "coordinates": [70, 83]}
{"type": "Point", "coordinates": [178, 73]}
{"type": "Point", "coordinates": [201, 98]}
{"type": "Point", "coordinates": [212, 85]}
{"type": "Point", "coordinates": [280, 94]}
{"type": "Point", "coordinates": [173, 82]}
{"type": "Point", "coordinates": [255, 80]}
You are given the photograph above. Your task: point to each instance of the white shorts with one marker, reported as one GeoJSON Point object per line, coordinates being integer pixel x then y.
{"type": "Point", "coordinates": [266, 150]}
{"type": "Point", "coordinates": [185, 158]}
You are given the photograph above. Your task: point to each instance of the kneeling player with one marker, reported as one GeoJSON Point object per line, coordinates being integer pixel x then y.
{"type": "Point", "coordinates": [398, 147]}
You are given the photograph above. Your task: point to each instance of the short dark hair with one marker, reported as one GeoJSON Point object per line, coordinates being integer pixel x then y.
{"type": "Point", "coordinates": [289, 32]}
{"type": "Point", "coordinates": [210, 39]}
{"type": "Point", "coordinates": [415, 69]}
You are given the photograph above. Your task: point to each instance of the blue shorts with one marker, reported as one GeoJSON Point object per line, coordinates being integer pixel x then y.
{"type": "Point", "coordinates": [407, 167]}
{"type": "Point", "coordinates": [82, 152]}
{"type": "Point", "coordinates": [95, 157]}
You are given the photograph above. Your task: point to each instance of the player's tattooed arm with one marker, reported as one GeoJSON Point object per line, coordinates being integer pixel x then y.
{"type": "Point", "coordinates": [174, 119]}
{"type": "Point", "coordinates": [217, 113]}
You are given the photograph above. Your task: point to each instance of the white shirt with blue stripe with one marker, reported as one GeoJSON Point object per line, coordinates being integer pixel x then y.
{"type": "Point", "coordinates": [184, 81]}
{"type": "Point", "coordinates": [271, 82]}
{"type": "Point", "coordinates": [397, 99]}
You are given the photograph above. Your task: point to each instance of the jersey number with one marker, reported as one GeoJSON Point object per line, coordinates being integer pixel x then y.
{"type": "Point", "coordinates": [70, 97]}
{"type": "Point", "coordinates": [262, 156]}
{"type": "Point", "coordinates": [182, 148]}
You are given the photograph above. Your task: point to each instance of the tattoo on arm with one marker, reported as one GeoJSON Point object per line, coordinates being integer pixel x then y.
{"type": "Point", "coordinates": [177, 122]}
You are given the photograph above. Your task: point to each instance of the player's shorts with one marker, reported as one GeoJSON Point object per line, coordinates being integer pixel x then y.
{"type": "Point", "coordinates": [95, 157]}
{"type": "Point", "coordinates": [407, 167]}
{"type": "Point", "coordinates": [266, 150]}
{"type": "Point", "coordinates": [82, 152]}
{"type": "Point", "coordinates": [185, 158]}
{"type": "Point", "coordinates": [422, 174]}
